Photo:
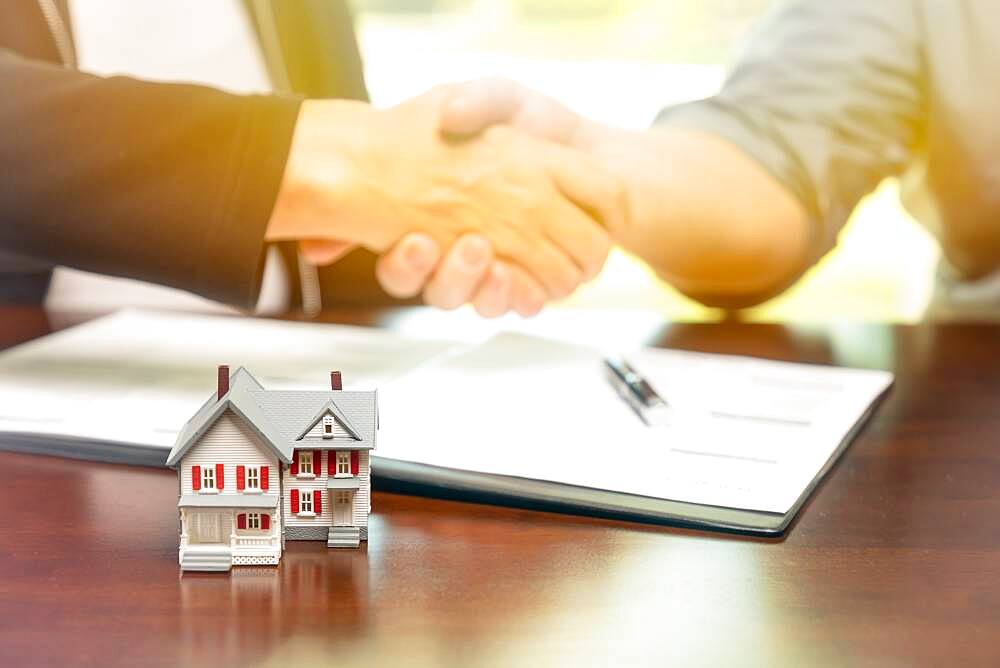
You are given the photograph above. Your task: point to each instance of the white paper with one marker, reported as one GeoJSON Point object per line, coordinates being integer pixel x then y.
{"type": "Point", "coordinates": [137, 377]}
{"type": "Point", "coordinates": [743, 433]}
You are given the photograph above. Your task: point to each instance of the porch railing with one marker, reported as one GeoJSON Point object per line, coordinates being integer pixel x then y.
{"type": "Point", "coordinates": [254, 541]}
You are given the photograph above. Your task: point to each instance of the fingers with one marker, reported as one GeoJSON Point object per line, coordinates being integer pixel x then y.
{"type": "Point", "coordinates": [527, 295]}
{"type": "Point", "coordinates": [493, 287]}
{"type": "Point", "coordinates": [508, 287]}
{"type": "Point", "coordinates": [404, 269]}
{"type": "Point", "coordinates": [468, 273]}
{"type": "Point", "coordinates": [492, 298]}
{"type": "Point", "coordinates": [551, 267]}
{"type": "Point", "coordinates": [461, 272]}
{"type": "Point", "coordinates": [578, 235]}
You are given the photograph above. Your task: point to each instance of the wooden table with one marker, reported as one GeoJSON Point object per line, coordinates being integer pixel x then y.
{"type": "Point", "coordinates": [894, 561]}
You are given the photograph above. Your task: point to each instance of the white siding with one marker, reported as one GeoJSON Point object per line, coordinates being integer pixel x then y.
{"type": "Point", "coordinates": [362, 496]}
{"type": "Point", "coordinates": [230, 442]}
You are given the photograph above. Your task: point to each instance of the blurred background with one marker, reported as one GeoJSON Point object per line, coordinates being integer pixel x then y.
{"type": "Point", "coordinates": [620, 61]}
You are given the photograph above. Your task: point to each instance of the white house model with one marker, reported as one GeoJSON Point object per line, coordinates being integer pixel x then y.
{"type": "Point", "coordinates": [257, 467]}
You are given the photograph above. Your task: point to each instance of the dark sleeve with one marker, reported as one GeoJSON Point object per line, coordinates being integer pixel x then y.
{"type": "Point", "coordinates": [828, 97]}
{"type": "Point", "coordinates": [167, 183]}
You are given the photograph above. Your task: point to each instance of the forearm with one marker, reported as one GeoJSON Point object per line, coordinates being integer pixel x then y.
{"type": "Point", "coordinates": [166, 183]}
{"type": "Point", "coordinates": [705, 216]}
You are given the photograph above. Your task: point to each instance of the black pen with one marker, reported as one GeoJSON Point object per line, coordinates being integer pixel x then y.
{"type": "Point", "coordinates": [637, 392]}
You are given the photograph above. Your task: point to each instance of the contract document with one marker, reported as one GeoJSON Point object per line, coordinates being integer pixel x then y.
{"type": "Point", "coordinates": [742, 433]}
{"type": "Point", "coordinates": [514, 417]}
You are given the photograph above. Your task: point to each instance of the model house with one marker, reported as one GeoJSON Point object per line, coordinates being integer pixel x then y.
{"type": "Point", "coordinates": [258, 467]}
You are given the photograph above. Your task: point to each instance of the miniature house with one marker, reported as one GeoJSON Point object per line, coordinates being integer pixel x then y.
{"type": "Point", "coordinates": [258, 467]}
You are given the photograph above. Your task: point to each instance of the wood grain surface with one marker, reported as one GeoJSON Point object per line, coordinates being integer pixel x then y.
{"type": "Point", "coordinates": [894, 561]}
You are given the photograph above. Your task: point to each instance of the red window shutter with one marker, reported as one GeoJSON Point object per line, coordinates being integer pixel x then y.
{"type": "Point", "coordinates": [355, 462]}
{"type": "Point", "coordinates": [219, 470]}
{"type": "Point", "coordinates": [318, 501]}
{"type": "Point", "coordinates": [263, 478]}
{"type": "Point", "coordinates": [295, 500]}
{"type": "Point", "coordinates": [331, 463]}
{"type": "Point", "coordinates": [265, 521]}
{"type": "Point", "coordinates": [241, 477]}
{"type": "Point", "coordinates": [196, 477]}
{"type": "Point", "coordinates": [295, 462]}
{"type": "Point", "coordinates": [317, 462]}
{"type": "Point", "coordinates": [241, 521]}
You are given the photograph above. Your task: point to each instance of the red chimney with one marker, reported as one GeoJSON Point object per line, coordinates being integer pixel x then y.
{"type": "Point", "coordinates": [223, 380]}
{"type": "Point", "coordinates": [335, 381]}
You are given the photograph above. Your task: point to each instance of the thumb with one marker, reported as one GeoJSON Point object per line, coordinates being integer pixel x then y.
{"type": "Point", "coordinates": [471, 107]}
{"type": "Point", "coordinates": [321, 251]}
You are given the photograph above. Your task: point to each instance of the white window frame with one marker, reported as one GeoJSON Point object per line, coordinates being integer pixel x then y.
{"type": "Point", "coordinates": [306, 499]}
{"type": "Point", "coordinates": [327, 427]}
{"type": "Point", "coordinates": [306, 456]}
{"type": "Point", "coordinates": [253, 479]}
{"type": "Point", "coordinates": [208, 479]}
{"type": "Point", "coordinates": [343, 464]}
{"type": "Point", "coordinates": [253, 521]}
{"type": "Point", "coordinates": [343, 497]}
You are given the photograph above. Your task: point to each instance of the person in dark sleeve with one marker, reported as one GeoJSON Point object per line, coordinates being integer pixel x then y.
{"type": "Point", "coordinates": [733, 197]}
{"type": "Point", "coordinates": [187, 186]}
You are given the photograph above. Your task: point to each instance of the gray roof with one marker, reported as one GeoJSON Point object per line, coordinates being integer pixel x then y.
{"type": "Point", "coordinates": [228, 501]}
{"type": "Point", "coordinates": [330, 408]}
{"type": "Point", "coordinates": [292, 410]}
{"type": "Point", "coordinates": [279, 416]}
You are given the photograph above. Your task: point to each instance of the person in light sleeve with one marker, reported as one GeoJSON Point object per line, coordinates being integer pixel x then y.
{"type": "Point", "coordinates": [732, 198]}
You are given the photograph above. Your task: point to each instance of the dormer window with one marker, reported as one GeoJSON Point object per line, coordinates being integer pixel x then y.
{"type": "Point", "coordinates": [327, 427]}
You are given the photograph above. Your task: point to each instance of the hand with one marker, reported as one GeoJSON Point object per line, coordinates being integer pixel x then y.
{"type": "Point", "coordinates": [360, 176]}
{"type": "Point", "coordinates": [467, 110]}
{"type": "Point", "coordinates": [704, 215]}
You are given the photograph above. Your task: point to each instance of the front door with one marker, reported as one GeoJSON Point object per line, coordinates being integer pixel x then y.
{"type": "Point", "coordinates": [206, 528]}
{"type": "Point", "coordinates": [342, 508]}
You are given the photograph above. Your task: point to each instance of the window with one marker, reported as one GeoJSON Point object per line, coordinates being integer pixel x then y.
{"type": "Point", "coordinates": [306, 502]}
{"type": "Point", "coordinates": [253, 520]}
{"type": "Point", "coordinates": [253, 477]}
{"type": "Point", "coordinates": [208, 477]}
{"type": "Point", "coordinates": [343, 497]}
{"type": "Point", "coordinates": [305, 462]}
{"type": "Point", "coordinates": [328, 427]}
{"type": "Point", "coordinates": [343, 463]}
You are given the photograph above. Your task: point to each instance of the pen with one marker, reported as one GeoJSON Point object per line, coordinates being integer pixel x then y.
{"type": "Point", "coordinates": [637, 392]}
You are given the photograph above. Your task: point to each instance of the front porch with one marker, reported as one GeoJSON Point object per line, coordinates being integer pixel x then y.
{"type": "Point", "coordinates": [219, 532]}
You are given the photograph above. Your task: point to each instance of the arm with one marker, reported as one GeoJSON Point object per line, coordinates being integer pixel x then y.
{"type": "Point", "coordinates": [733, 197]}
{"type": "Point", "coordinates": [183, 185]}
{"type": "Point", "coordinates": [166, 183]}
{"type": "Point", "coordinates": [706, 217]}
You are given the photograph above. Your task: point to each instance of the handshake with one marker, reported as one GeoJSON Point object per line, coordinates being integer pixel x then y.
{"type": "Point", "coordinates": [482, 193]}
